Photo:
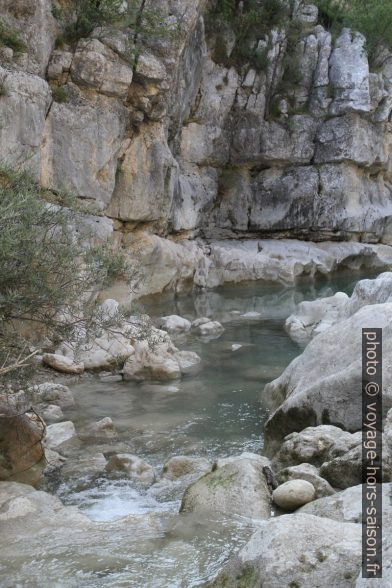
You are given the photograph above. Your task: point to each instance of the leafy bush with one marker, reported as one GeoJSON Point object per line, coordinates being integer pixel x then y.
{"type": "Point", "coordinates": [91, 14]}
{"type": "Point", "coordinates": [373, 18]}
{"type": "Point", "coordinates": [9, 38]}
{"type": "Point", "coordinates": [50, 270]}
{"type": "Point", "coordinates": [250, 21]}
{"type": "Point", "coordinates": [59, 93]}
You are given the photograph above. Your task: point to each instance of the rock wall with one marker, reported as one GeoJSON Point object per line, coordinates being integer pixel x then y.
{"type": "Point", "coordinates": [179, 149]}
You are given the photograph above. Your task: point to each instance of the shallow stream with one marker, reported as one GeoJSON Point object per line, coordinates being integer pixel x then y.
{"type": "Point", "coordinates": [215, 412]}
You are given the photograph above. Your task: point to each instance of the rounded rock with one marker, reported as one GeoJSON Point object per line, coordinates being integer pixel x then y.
{"type": "Point", "coordinates": [293, 494]}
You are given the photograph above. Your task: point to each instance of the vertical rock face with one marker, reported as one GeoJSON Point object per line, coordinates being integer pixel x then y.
{"type": "Point", "coordinates": [23, 107]}
{"type": "Point", "coordinates": [189, 142]}
{"type": "Point", "coordinates": [146, 178]}
{"type": "Point", "coordinates": [80, 146]}
{"type": "Point", "coordinates": [37, 28]}
{"type": "Point", "coordinates": [349, 74]}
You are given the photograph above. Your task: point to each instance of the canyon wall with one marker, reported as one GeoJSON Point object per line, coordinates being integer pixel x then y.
{"type": "Point", "coordinates": [185, 154]}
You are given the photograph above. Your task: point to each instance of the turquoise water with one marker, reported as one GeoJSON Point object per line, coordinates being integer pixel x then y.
{"type": "Point", "coordinates": [214, 412]}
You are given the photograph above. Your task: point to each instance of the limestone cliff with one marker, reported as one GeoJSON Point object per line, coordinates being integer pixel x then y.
{"type": "Point", "coordinates": [183, 147]}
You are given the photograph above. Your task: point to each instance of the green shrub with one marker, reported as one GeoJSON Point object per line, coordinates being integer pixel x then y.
{"type": "Point", "coordinates": [59, 42]}
{"type": "Point", "coordinates": [250, 23]}
{"type": "Point", "coordinates": [260, 59]}
{"type": "Point", "coordinates": [292, 74]}
{"type": "Point", "coordinates": [9, 38]}
{"type": "Point", "coordinates": [50, 271]}
{"type": "Point", "coordinates": [274, 109]}
{"type": "Point", "coordinates": [59, 93]}
{"type": "Point", "coordinates": [91, 14]}
{"type": "Point", "coordinates": [373, 18]}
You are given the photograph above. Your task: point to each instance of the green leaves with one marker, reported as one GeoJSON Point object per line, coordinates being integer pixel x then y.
{"type": "Point", "coordinates": [9, 38]}
{"type": "Point", "coordinates": [372, 18]}
{"type": "Point", "coordinates": [91, 14]}
{"type": "Point", "coordinates": [250, 21]}
{"type": "Point", "coordinates": [50, 269]}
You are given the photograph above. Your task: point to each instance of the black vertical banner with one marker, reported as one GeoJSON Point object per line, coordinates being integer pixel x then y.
{"type": "Point", "coordinates": [372, 453]}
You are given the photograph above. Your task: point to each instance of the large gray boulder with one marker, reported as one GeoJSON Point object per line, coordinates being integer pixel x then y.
{"type": "Point", "coordinates": [296, 550]}
{"type": "Point", "coordinates": [346, 506]}
{"type": "Point", "coordinates": [322, 386]}
{"type": "Point", "coordinates": [21, 449]}
{"type": "Point", "coordinates": [184, 465]}
{"type": "Point", "coordinates": [315, 445]}
{"type": "Point", "coordinates": [236, 487]}
{"type": "Point", "coordinates": [314, 317]}
{"type": "Point", "coordinates": [51, 393]}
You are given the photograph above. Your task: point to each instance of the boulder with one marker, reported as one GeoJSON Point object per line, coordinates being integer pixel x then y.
{"type": "Point", "coordinates": [59, 435]}
{"type": "Point", "coordinates": [187, 361]}
{"type": "Point", "coordinates": [174, 324]}
{"type": "Point", "coordinates": [346, 506]}
{"type": "Point", "coordinates": [182, 465]}
{"type": "Point", "coordinates": [315, 445]}
{"type": "Point", "coordinates": [28, 512]}
{"type": "Point", "coordinates": [293, 494]}
{"type": "Point", "coordinates": [296, 550]}
{"type": "Point", "coordinates": [306, 471]}
{"type": "Point", "coordinates": [51, 393]}
{"type": "Point", "coordinates": [200, 321]}
{"type": "Point", "coordinates": [84, 467]}
{"type": "Point", "coordinates": [112, 345]}
{"type": "Point", "coordinates": [235, 488]}
{"type": "Point", "coordinates": [151, 366]}
{"type": "Point", "coordinates": [52, 413]}
{"type": "Point", "coordinates": [106, 351]}
{"type": "Point", "coordinates": [62, 364]}
{"type": "Point", "coordinates": [210, 329]}
{"type": "Point", "coordinates": [260, 460]}
{"type": "Point", "coordinates": [321, 385]}
{"type": "Point", "coordinates": [346, 470]}
{"type": "Point", "coordinates": [135, 468]}
{"type": "Point", "coordinates": [156, 358]}
{"type": "Point", "coordinates": [314, 317]}
{"type": "Point", "coordinates": [103, 429]}
{"type": "Point", "coordinates": [21, 450]}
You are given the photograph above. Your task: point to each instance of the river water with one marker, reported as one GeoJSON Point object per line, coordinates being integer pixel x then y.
{"type": "Point", "coordinates": [214, 412]}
